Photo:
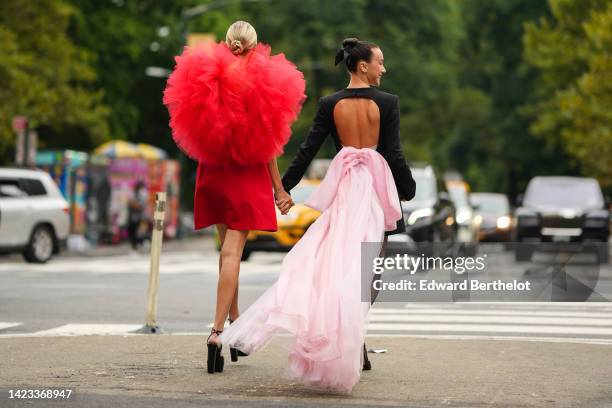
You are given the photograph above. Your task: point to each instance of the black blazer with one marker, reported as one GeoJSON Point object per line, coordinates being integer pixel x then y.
{"type": "Point", "coordinates": [388, 144]}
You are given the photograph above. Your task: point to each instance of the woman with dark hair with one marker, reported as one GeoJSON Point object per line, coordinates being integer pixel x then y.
{"type": "Point", "coordinates": [318, 299]}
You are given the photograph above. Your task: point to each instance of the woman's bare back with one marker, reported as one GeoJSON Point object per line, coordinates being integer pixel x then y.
{"type": "Point", "coordinates": [357, 121]}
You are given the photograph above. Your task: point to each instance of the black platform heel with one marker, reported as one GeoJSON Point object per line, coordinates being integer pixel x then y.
{"type": "Point", "coordinates": [234, 352]}
{"type": "Point", "coordinates": [215, 361]}
{"type": "Point", "coordinates": [366, 361]}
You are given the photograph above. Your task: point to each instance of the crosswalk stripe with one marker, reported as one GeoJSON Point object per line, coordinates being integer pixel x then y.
{"type": "Point", "coordinates": [499, 319]}
{"type": "Point", "coordinates": [490, 328]}
{"type": "Point", "coordinates": [514, 305]}
{"type": "Point", "coordinates": [88, 329]}
{"type": "Point", "coordinates": [494, 319]}
{"type": "Point", "coordinates": [8, 325]}
{"type": "Point", "coordinates": [522, 312]}
{"type": "Point", "coordinates": [172, 264]}
{"type": "Point", "coordinates": [505, 337]}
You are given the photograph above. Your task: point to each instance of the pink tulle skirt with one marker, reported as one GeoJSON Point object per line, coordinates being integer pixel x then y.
{"type": "Point", "coordinates": [317, 302]}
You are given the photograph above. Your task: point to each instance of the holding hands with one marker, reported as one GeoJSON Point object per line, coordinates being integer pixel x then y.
{"type": "Point", "coordinates": [283, 201]}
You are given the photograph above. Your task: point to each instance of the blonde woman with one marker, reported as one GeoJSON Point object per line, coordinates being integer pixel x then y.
{"type": "Point", "coordinates": [231, 105]}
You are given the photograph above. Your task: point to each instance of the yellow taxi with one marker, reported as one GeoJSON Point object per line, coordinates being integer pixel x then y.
{"type": "Point", "coordinates": [291, 226]}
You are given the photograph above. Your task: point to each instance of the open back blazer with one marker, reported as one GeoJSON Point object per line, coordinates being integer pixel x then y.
{"type": "Point", "coordinates": [388, 143]}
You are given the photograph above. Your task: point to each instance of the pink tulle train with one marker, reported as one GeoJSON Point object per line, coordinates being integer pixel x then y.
{"type": "Point", "coordinates": [317, 297]}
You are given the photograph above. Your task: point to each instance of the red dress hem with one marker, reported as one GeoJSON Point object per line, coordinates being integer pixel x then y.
{"type": "Point", "coordinates": [240, 197]}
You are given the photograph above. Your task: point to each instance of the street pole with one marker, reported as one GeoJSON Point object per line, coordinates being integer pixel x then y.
{"type": "Point", "coordinates": [156, 245]}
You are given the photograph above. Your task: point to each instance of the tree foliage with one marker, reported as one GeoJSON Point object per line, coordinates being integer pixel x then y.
{"type": "Point", "coordinates": [500, 90]}
{"type": "Point", "coordinates": [573, 52]}
{"type": "Point", "coordinates": [44, 76]}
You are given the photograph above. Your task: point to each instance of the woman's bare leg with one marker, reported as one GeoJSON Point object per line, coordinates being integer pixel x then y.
{"type": "Point", "coordinates": [231, 252]}
{"type": "Point", "coordinates": [233, 312]}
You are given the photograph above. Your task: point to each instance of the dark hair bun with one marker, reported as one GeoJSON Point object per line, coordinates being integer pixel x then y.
{"type": "Point", "coordinates": [352, 51]}
{"type": "Point", "coordinates": [350, 42]}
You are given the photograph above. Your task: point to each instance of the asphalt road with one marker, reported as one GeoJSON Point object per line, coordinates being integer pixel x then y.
{"type": "Point", "coordinates": [444, 353]}
{"type": "Point", "coordinates": [107, 294]}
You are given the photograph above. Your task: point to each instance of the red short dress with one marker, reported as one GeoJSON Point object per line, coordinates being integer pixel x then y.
{"type": "Point", "coordinates": [233, 114]}
{"type": "Point", "coordinates": [238, 196]}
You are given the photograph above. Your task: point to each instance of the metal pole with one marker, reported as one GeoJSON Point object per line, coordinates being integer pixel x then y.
{"type": "Point", "coordinates": [156, 244]}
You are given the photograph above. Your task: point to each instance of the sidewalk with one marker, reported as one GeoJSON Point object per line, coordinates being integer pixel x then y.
{"type": "Point", "coordinates": [131, 370]}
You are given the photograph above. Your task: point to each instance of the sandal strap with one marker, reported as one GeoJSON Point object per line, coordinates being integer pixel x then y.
{"type": "Point", "coordinates": [213, 331]}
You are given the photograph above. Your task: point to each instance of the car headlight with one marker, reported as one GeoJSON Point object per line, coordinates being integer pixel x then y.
{"type": "Point", "coordinates": [418, 214]}
{"type": "Point", "coordinates": [503, 222]}
{"type": "Point", "coordinates": [463, 216]}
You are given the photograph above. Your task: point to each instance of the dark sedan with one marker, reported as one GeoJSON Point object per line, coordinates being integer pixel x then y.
{"type": "Point", "coordinates": [563, 210]}
{"type": "Point", "coordinates": [429, 216]}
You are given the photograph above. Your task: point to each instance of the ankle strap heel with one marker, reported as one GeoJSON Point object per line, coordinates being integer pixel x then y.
{"type": "Point", "coordinates": [215, 361]}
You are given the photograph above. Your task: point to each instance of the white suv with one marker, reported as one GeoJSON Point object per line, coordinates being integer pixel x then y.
{"type": "Point", "coordinates": [34, 216]}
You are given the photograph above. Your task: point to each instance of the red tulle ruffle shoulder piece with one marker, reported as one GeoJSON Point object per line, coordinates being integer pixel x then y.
{"type": "Point", "coordinates": [233, 109]}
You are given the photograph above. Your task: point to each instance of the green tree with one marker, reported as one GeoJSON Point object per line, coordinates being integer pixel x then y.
{"type": "Point", "coordinates": [420, 41]}
{"type": "Point", "coordinates": [573, 52]}
{"type": "Point", "coordinates": [491, 142]}
{"type": "Point", "coordinates": [44, 76]}
{"type": "Point", "coordinates": [123, 38]}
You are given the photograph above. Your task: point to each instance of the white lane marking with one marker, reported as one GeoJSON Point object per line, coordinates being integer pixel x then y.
{"type": "Point", "coordinates": [524, 305]}
{"type": "Point", "coordinates": [493, 319]}
{"type": "Point", "coordinates": [8, 325]}
{"type": "Point", "coordinates": [490, 328]}
{"type": "Point", "coordinates": [88, 329]}
{"type": "Point", "coordinates": [578, 340]}
{"type": "Point", "coordinates": [172, 263]}
{"type": "Point", "coordinates": [484, 312]}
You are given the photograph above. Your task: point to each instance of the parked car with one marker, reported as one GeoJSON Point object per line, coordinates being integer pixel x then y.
{"type": "Point", "coordinates": [429, 216]}
{"type": "Point", "coordinates": [562, 210]}
{"type": "Point", "coordinates": [468, 220]}
{"type": "Point", "coordinates": [495, 215]}
{"type": "Point", "coordinates": [291, 226]}
{"type": "Point", "coordinates": [34, 216]}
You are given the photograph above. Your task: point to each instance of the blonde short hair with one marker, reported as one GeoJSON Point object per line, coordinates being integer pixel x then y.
{"type": "Point", "coordinates": [241, 37]}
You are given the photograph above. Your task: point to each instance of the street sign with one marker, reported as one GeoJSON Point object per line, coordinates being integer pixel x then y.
{"type": "Point", "coordinates": [20, 123]}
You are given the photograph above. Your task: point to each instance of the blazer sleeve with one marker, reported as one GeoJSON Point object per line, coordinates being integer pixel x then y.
{"type": "Point", "coordinates": [402, 175]}
{"type": "Point", "coordinates": [309, 147]}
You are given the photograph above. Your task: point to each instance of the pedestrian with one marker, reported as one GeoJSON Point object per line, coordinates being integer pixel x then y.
{"type": "Point", "coordinates": [137, 206]}
{"type": "Point", "coordinates": [231, 106]}
{"type": "Point", "coordinates": [317, 297]}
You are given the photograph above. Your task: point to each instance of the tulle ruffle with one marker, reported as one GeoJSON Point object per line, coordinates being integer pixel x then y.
{"type": "Point", "coordinates": [233, 109]}
{"type": "Point", "coordinates": [319, 302]}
